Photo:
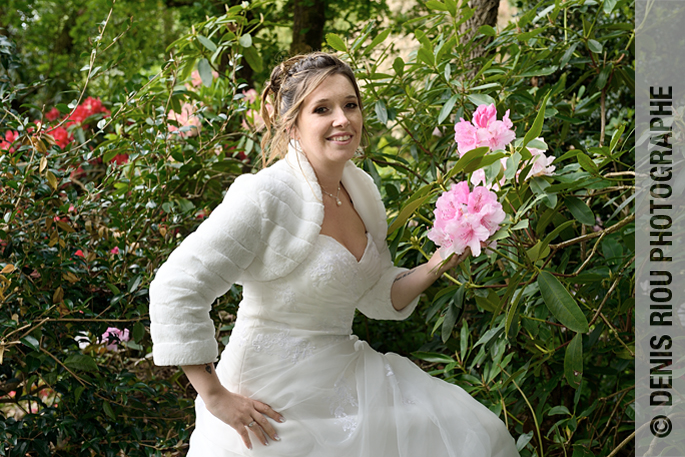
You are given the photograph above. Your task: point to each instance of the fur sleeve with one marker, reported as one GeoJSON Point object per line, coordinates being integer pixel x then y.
{"type": "Point", "coordinates": [201, 269]}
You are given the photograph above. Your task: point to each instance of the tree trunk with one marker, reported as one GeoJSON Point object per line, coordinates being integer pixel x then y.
{"type": "Point", "coordinates": [309, 17]}
{"type": "Point", "coordinates": [485, 14]}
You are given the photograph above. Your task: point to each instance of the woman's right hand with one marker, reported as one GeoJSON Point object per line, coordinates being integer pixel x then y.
{"type": "Point", "coordinates": [243, 414]}
{"type": "Point", "coordinates": [240, 412]}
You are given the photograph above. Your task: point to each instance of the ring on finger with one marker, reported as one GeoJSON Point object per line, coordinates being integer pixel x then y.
{"type": "Point", "coordinates": [251, 424]}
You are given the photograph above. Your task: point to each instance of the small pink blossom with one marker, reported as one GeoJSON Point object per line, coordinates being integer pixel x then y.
{"type": "Point", "coordinates": [113, 337]}
{"type": "Point", "coordinates": [71, 209]}
{"type": "Point", "coordinates": [196, 79]}
{"type": "Point", "coordinates": [465, 219]}
{"type": "Point", "coordinates": [485, 130]}
{"type": "Point", "coordinates": [184, 119]}
{"type": "Point", "coordinates": [115, 250]}
{"type": "Point", "coordinates": [250, 95]}
{"type": "Point", "coordinates": [542, 164]}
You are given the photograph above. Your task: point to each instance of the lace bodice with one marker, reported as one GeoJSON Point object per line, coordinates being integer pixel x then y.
{"type": "Point", "coordinates": [313, 305]}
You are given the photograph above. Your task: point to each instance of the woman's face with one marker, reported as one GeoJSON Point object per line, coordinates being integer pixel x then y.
{"type": "Point", "coordinates": [329, 124]}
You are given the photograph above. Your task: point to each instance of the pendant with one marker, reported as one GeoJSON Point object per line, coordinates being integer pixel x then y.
{"type": "Point", "coordinates": [337, 201]}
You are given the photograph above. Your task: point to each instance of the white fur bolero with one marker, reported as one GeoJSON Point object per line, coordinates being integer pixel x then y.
{"type": "Point", "coordinates": [266, 225]}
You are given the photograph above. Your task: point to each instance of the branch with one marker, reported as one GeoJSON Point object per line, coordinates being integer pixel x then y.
{"type": "Point", "coordinates": [592, 235]}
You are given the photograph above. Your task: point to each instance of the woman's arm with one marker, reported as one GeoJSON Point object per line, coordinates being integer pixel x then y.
{"type": "Point", "coordinates": [234, 409]}
{"type": "Point", "coordinates": [409, 284]}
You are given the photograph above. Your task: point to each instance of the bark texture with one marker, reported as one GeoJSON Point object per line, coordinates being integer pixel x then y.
{"type": "Point", "coordinates": [309, 17]}
{"type": "Point", "coordinates": [485, 14]}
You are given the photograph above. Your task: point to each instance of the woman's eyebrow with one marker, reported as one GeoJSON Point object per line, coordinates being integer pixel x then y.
{"type": "Point", "coordinates": [324, 100]}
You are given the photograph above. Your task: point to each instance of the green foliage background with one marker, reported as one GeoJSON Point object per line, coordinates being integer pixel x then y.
{"type": "Point", "coordinates": [540, 331]}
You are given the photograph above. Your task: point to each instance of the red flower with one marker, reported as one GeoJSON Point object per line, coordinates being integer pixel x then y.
{"type": "Point", "coordinates": [76, 174]}
{"type": "Point", "coordinates": [61, 136]}
{"type": "Point", "coordinates": [80, 254]}
{"type": "Point", "coordinates": [120, 159]}
{"type": "Point", "coordinates": [52, 114]}
{"type": "Point", "coordinates": [10, 137]}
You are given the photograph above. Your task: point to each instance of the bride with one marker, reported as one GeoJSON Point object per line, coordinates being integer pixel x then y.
{"type": "Point", "coordinates": [305, 237]}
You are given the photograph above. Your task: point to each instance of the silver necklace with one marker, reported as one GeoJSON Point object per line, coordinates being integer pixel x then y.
{"type": "Point", "coordinates": [336, 196]}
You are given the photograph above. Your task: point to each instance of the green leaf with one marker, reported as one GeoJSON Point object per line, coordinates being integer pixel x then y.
{"type": "Point", "coordinates": [587, 163]}
{"type": "Point", "coordinates": [512, 165]}
{"type": "Point", "coordinates": [381, 112]}
{"type": "Point", "coordinates": [487, 30]}
{"type": "Point", "coordinates": [512, 315]}
{"type": "Point", "coordinates": [436, 5]}
{"type": "Point", "coordinates": [447, 108]}
{"type": "Point", "coordinates": [609, 6]}
{"type": "Point", "coordinates": [108, 410]}
{"type": "Point", "coordinates": [454, 309]}
{"type": "Point", "coordinates": [594, 46]}
{"type": "Point", "coordinates": [536, 129]}
{"type": "Point", "coordinates": [376, 41]}
{"type": "Point", "coordinates": [336, 42]}
{"type": "Point", "coordinates": [138, 331]}
{"type": "Point", "coordinates": [253, 59]}
{"type": "Point", "coordinates": [205, 71]}
{"type": "Point", "coordinates": [580, 210]}
{"type": "Point", "coordinates": [406, 211]}
{"type": "Point", "coordinates": [481, 99]}
{"type": "Point", "coordinates": [560, 302]}
{"type": "Point", "coordinates": [474, 154]}
{"type": "Point", "coordinates": [573, 361]}
{"type": "Point", "coordinates": [207, 43]}
{"type": "Point", "coordinates": [398, 66]}
{"type": "Point", "coordinates": [433, 357]}
{"type": "Point", "coordinates": [521, 225]}
{"type": "Point", "coordinates": [245, 40]}
{"type": "Point", "coordinates": [31, 342]}
{"type": "Point", "coordinates": [81, 362]}
{"type": "Point", "coordinates": [561, 409]}
{"type": "Point", "coordinates": [604, 76]}
{"type": "Point", "coordinates": [615, 137]}
{"type": "Point", "coordinates": [554, 233]}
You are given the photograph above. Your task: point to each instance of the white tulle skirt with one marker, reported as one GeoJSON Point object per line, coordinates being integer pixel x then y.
{"type": "Point", "coordinates": [347, 400]}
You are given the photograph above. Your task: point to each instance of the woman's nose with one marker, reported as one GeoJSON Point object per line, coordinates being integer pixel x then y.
{"type": "Point", "coordinates": [340, 119]}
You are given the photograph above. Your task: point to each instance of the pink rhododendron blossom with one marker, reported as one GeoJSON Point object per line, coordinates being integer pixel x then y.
{"type": "Point", "coordinates": [485, 130]}
{"type": "Point", "coordinates": [465, 219]}
{"type": "Point", "coordinates": [196, 79]}
{"type": "Point", "coordinates": [115, 250]}
{"type": "Point", "coordinates": [113, 337]}
{"type": "Point", "coordinates": [542, 164]}
{"type": "Point", "coordinates": [186, 118]}
{"type": "Point", "coordinates": [250, 96]}
{"type": "Point", "coordinates": [478, 177]}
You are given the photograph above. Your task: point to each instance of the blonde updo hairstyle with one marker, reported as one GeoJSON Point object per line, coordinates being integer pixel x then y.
{"type": "Point", "coordinates": [290, 83]}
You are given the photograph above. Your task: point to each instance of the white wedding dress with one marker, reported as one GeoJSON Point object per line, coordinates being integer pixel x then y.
{"type": "Point", "coordinates": [292, 348]}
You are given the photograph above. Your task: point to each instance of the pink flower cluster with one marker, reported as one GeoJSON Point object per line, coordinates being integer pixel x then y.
{"type": "Point", "coordinates": [113, 337]}
{"type": "Point", "coordinates": [186, 118]}
{"type": "Point", "coordinates": [485, 130]}
{"type": "Point", "coordinates": [465, 219]}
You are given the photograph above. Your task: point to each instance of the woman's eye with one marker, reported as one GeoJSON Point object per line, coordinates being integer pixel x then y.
{"type": "Point", "coordinates": [320, 110]}
{"type": "Point", "coordinates": [352, 105]}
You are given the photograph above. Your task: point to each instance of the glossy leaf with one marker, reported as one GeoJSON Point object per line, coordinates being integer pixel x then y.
{"type": "Point", "coordinates": [573, 361]}
{"type": "Point", "coordinates": [580, 210]}
{"type": "Point", "coordinates": [561, 303]}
